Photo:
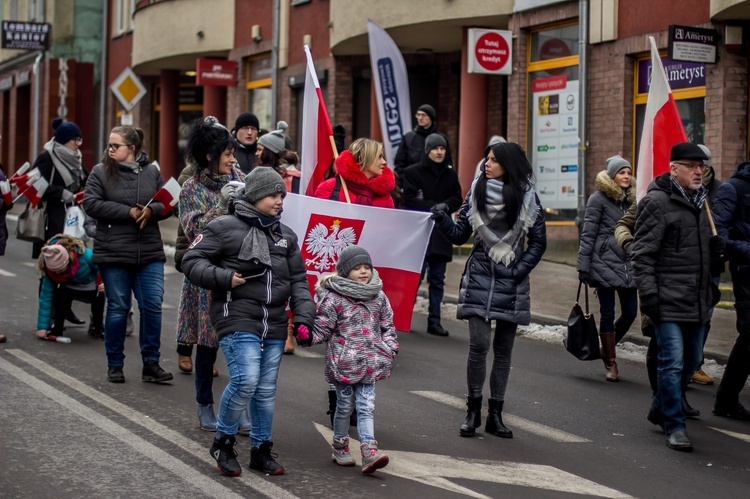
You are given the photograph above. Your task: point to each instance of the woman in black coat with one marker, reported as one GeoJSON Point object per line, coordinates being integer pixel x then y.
{"type": "Point", "coordinates": [503, 212]}
{"type": "Point", "coordinates": [602, 263]}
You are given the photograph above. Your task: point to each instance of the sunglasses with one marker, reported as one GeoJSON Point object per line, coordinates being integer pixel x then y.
{"type": "Point", "coordinates": [115, 147]}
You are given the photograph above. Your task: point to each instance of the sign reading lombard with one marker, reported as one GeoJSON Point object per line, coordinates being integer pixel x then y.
{"type": "Point", "coordinates": [692, 44]}
{"type": "Point", "coordinates": [22, 35]}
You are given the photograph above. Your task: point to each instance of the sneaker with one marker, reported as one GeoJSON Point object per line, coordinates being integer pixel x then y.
{"type": "Point", "coordinates": [341, 454]}
{"type": "Point", "coordinates": [130, 325]}
{"type": "Point", "coordinates": [701, 378]}
{"type": "Point", "coordinates": [115, 375]}
{"type": "Point", "coordinates": [153, 372]}
{"type": "Point", "coordinates": [262, 459]}
{"type": "Point", "coordinates": [226, 457]}
{"type": "Point", "coordinates": [436, 329]}
{"type": "Point", "coordinates": [372, 460]}
{"type": "Point", "coordinates": [736, 412]}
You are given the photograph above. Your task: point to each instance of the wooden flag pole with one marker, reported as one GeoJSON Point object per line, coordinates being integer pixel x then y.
{"type": "Point", "coordinates": [343, 182]}
{"type": "Point", "coordinates": [710, 218]}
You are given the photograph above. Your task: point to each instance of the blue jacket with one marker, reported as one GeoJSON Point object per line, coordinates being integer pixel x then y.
{"type": "Point", "coordinates": [733, 219]}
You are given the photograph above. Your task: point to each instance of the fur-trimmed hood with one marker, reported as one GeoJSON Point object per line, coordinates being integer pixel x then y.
{"type": "Point", "coordinates": [613, 191]}
{"type": "Point", "coordinates": [348, 169]}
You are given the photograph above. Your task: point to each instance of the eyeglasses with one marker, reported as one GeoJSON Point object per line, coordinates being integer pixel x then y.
{"type": "Point", "coordinates": [690, 166]}
{"type": "Point", "coordinates": [115, 147]}
{"type": "Point", "coordinates": [79, 141]}
{"type": "Point", "coordinates": [248, 129]}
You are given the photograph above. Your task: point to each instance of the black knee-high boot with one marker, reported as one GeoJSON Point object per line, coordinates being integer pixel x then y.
{"type": "Point", "coordinates": [473, 417]}
{"type": "Point", "coordinates": [495, 420]}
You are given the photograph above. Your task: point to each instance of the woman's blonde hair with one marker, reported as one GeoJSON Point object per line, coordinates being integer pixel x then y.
{"type": "Point", "coordinates": [366, 151]}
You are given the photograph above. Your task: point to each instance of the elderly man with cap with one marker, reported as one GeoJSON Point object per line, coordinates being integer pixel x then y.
{"type": "Point", "coordinates": [245, 134]}
{"type": "Point", "coordinates": [432, 184]}
{"type": "Point", "coordinates": [672, 253]}
{"type": "Point", "coordinates": [412, 145]}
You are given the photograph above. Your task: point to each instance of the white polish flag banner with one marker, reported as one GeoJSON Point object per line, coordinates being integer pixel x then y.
{"type": "Point", "coordinates": [396, 240]}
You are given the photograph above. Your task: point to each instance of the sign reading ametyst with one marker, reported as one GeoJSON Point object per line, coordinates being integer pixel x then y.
{"type": "Point", "coordinates": [128, 89]}
{"type": "Point", "coordinates": [687, 43]}
{"type": "Point", "coordinates": [22, 35]}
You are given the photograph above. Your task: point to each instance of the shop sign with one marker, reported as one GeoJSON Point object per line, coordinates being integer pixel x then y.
{"type": "Point", "coordinates": [6, 83]}
{"type": "Point", "coordinates": [692, 44]}
{"type": "Point", "coordinates": [679, 74]}
{"type": "Point", "coordinates": [22, 35]}
{"type": "Point", "coordinates": [490, 51]}
{"type": "Point", "coordinates": [216, 72]}
{"type": "Point", "coordinates": [62, 109]}
{"type": "Point", "coordinates": [128, 89]}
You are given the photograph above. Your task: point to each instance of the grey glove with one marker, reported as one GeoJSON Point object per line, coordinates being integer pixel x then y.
{"type": "Point", "coordinates": [68, 196]}
{"type": "Point", "coordinates": [226, 192]}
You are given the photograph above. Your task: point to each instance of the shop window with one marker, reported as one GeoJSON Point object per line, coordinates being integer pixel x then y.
{"type": "Point", "coordinates": [259, 98]}
{"type": "Point", "coordinates": [553, 119]}
{"type": "Point", "coordinates": [688, 83]}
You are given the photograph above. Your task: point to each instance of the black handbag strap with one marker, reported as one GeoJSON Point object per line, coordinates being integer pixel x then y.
{"type": "Point", "coordinates": [578, 295]}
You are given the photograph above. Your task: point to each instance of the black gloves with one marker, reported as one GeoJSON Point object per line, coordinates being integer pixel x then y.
{"type": "Point", "coordinates": [583, 276]}
{"type": "Point", "coordinates": [439, 212]}
{"type": "Point", "coordinates": [718, 252]}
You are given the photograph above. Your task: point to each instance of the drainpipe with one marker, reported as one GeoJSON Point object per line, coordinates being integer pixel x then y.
{"type": "Point", "coordinates": [274, 62]}
{"type": "Point", "coordinates": [583, 30]}
{"type": "Point", "coordinates": [103, 79]}
{"type": "Point", "coordinates": [37, 101]}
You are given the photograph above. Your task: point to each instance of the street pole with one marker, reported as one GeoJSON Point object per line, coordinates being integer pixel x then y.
{"type": "Point", "coordinates": [37, 101]}
{"type": "Point", "coordinates": [274, 62]}
{"type": "Point", "coordinates": [583, 29]}
{"type": "Point", "coordinates": [103, 80]}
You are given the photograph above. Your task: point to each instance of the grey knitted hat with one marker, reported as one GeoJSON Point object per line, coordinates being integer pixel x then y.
{"type": "Point", "coordinates": [273, 141]}
{"type": "Point", "coordinates": [617, 163]}
{"type": "Point", "coordinates": [432, 141]}
{"type": "Point", "coordinates": [707, 151]}
{"type": "Point", "coordinates": [263, 181]}
{"type": "Point", "coordinates": [350, 258]}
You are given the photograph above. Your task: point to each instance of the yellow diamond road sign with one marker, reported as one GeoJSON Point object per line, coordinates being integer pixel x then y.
{"type": "Point", "coordinates": [128, 89]}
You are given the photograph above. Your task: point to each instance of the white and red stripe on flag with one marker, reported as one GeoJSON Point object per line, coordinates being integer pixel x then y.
{"type": "Point", "coordinates": [36, 190]}
{"type": "Point", "coordinates": [662, 126]}
{"type": "Point", "coordinates": [21, 171]}
{"type": "Point", "coordinates": [396, 240]}
{"type": "Point", "coordinates": [317, 149]}
{"type": "Point", "coordinates": [5, 191]}
{"type": "Point", "coordinates": [23, 181]}
{"type": "Point", "coordinates": [168, 195]}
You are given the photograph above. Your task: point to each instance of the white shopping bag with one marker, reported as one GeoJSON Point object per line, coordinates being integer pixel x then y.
{"type": "Point", "coordinates": [74, 219]}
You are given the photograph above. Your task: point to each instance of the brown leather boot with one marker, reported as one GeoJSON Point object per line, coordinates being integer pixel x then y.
{"type": "Point", "coordinates": [185, 363]}
{"type": "Point", "coordinates": [608, 355]}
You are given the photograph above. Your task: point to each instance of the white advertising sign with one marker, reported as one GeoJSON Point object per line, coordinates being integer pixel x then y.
{"type": "Point", "coordinates": [490, 51]}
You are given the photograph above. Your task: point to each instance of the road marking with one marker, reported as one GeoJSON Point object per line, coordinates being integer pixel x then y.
{"type": "Point", "coordinates": [199, 451]}
{"type": "Point", "coordinates": [29, 264]}
{"type": "Point", "coordinates": [158, 456]}
{"type": "Point", "coordinates": [5, 273]}
{"type": "Point", "coordinates": [435, 470]}
{"type": "Point", "coordinates": [307, 354]}
{"type": "Point", "coordinates": [740, 436]}
{"type": "Point", "coordinates": [518, 422]}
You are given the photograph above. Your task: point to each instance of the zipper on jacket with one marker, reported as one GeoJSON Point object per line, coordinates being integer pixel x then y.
{"type": "Point", "coordinates": [226, 303]}
{"type": "Point", "coordinates": [137, 201]}
{"type": "Point", "coordinates": [492, 290]}
{"type": "Point", "coordinates": [269, 283]}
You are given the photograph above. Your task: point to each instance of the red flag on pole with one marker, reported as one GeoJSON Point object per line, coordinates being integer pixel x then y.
{"type": "Point", "coordinates": [317, 134]}
{"type": "Point", "coordinates": [662, 127]}
{"type": "Point", "coordinates": [35, 190]}
{"type": "Point", "coordinates": [167, 195]}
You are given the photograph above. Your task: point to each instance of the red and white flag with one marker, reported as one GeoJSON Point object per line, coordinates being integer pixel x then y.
{"type": "Point", "coordinates": [24, 180]}
{"type": "Point", "coordinates": [396, 240]}
{"type": "Point", "coordinates": [662, 126]}
{"type": "Point", "coordinates": [5, 191]}
{"type": "Point", "coordinates": [167, 195]}
{"type": "Point", "coordinates": [317, 145]}
{"type": "Point", "coordinates": [21, 171]}
{"type": "Point", "coordinates": [36, 190]}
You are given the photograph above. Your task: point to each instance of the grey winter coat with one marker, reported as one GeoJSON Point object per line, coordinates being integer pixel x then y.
{"type": "Point", "coordinates": [119, 240]}
{"type": "Point", "coordinates": [259, 305]}
{"type": "Point", "coordinates": [491, 290]}
{"type": "Point", "coordinates": [599, 255]}
{"type": "Point", "coordinates": [671, 257]}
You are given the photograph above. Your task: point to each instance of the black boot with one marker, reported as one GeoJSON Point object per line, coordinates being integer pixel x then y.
{"type": "Point", "coordinates": [688, 410]}
{"type": "Point", "coordinates": [473, 417]}
{"type": "Point", "coordinates": [226, 457]}
{"type": "Point", "coordinates": [495, 420]}
{"type": "Point", "coordinates": [262, 460]}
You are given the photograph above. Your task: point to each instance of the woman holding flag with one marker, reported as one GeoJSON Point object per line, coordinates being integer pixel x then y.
{"type": "Point", "coordinates": [128, 247]}
{"type": "Point", "coordinates": [503, 212]}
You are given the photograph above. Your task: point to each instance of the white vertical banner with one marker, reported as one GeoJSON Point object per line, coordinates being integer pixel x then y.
{"type": "Point", "coordinates": [391, 88]}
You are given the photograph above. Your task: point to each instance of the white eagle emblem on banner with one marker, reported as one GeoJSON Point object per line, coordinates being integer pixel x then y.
{"type": "Point", "coordinates": [325, 247]}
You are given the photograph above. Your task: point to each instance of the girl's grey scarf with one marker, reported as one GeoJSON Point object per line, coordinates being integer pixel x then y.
{"type": "Point", "coordinates": [501, 244]}
{"type": "Point", "coordinates": [67, 163]}
{"type": "Point", "coordinates": [255, 244]}
{"type": "Point", "coordinates": [355, 290]}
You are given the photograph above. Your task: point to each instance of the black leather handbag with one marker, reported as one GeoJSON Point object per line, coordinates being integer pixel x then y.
{"type": "Point", "coordinates": [583, 337]}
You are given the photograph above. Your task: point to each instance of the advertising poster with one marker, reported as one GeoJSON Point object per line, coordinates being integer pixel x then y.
{"type": "Point", "coordinates": [555, 141]}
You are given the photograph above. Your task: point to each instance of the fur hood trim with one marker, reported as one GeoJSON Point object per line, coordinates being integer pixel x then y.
{"type": "Point", "coordinates": [349, 170]}
{"type": "Point", "coordinates": [613, 191]}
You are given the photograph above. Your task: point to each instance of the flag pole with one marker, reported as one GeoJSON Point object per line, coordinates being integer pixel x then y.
{"type": "Point", "coordinates": [710, 219]}
{"type": "Point", "coordinates": [335, 156]}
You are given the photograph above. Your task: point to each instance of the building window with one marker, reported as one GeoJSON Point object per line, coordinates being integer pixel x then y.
{"type": "Point", "coordinates": [123, 16]}
{"type": "Point", "coordinates": [553, 118]}
{"type": "Point", "coordinates": [259, 74]}
{"type": "Point", "coordinates": [15, 11]}
{"type": "Point", "coordinates": [35, 10]}
{"type": "Point", "coordinates": [688, 83]}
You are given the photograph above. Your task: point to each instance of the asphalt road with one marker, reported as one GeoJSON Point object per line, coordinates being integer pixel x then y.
{"type": "Point", "coordinates": [65, 432]}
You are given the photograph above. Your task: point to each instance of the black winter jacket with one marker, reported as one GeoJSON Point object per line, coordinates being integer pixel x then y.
{"type": "Point", "coordinates": [411, 149]}
{"type": "Point", "coordinates": [671, 257]}
{"type": "Point", "coordinates": [119, 239]}
{"type": "Point", "coordinates": [245, 156]}
{"type": "Point", "coordinates": [599, 255]}
{"type": "Point", "coordinates": [259, 305]}
{"type": "Point", "coordinates": [427, 184]}
{"type": "Point", "coordinates": [490, 290]}
{"type": "Point", "coordinates": [733, 218]}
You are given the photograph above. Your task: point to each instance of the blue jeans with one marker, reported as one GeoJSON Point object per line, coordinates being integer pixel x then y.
{"type": "Point", "coordinates": [680, 352]}
{"type": "Point", "coordinates": [435, 268]}
{"type": "Point", "coordinates": [253, 365]}
{"type": "Point", "coordinates": [147, 283]}
{"type": "Point", "coordinates": [363, 395]}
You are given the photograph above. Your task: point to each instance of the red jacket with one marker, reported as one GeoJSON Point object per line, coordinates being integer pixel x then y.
{"type": "Point", "coordinates": [373, 192]}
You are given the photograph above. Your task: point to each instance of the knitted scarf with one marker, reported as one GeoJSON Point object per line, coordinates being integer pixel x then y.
{"type": "Point", "coordinates": [502, 247]}
{"type": "Point", "coordinates": [255, 244]}
{"type": "Point", "coordinates": [67, 163]}
{"type": "Point", "coordinates": [355, 290]}
{"type": "Point", "coordinates": [696, 199]}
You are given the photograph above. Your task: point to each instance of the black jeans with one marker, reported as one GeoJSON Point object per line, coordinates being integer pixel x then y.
{"type": "Point", "coordinates": [480, 333]}
{"type": "Point", "coordinates": [738, 364]}
{"type": "Point", "coordinates": [205, 358]}
{"type": "Point", "coordinates": [628, 306]}
{"type": "Point", "coordinates": [63, 299]}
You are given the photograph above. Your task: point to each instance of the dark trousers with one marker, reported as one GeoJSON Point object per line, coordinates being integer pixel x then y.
{"type": "Point", "coordinates": [435, 267]}
{"type": "Point", "coordinates": [738, 364]}
{"type": "Point", "coordinates": [205, 358]}
{"type": "Point", "coordinates": [628, 307]}
{"type": "Point", "coordinates": [63, 299]}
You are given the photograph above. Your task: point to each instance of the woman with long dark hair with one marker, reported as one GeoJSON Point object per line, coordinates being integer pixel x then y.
{"type": "Point", "coordinates": [271, 151]}
{"type": "Point", "coordinates": [503, 212]}
{"type": "Point", "coordinates": [128, 248]}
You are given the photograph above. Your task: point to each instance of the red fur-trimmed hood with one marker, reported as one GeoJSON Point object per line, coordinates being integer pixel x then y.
{"type": "Point", "coordinates": [348, 169]}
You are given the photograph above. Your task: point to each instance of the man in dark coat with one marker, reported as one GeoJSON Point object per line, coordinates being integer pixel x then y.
{"type": "Point", "coordinates": [245, 133]}
{"type": "Point", "coordinates": [732, 212]}
{"type": "Point", "coordinates": [432, 184]}
{"type": "Point", "coordinates": [411, 149]}
{"type": "Point", "coordinates": [672, 251]}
